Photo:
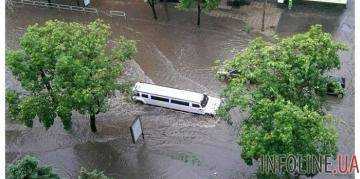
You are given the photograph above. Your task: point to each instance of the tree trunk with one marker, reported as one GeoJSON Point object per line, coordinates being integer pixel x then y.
{"type": "Point", "coordinates": [199, 12]}
{"type": "Point", "coordinates": [263, 17]}
{"type": "Point", "coordinates": [152, 5]}
{"type": "Point", "coordinates": [92, 123]}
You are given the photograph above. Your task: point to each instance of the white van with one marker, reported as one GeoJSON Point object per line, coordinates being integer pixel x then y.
{"type": "Point", "coordinates": [175, 99]}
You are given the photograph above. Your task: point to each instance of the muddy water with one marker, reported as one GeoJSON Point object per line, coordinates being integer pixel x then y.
{"type": "Point", "coordinates": [177, 144]}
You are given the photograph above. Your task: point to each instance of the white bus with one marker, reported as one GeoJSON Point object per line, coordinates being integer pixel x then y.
{"type": "Point", "coordinates": [175, 98]}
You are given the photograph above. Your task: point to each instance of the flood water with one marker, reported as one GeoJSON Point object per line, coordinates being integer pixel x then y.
{"type": "Point", "coordinates": [172, 53]}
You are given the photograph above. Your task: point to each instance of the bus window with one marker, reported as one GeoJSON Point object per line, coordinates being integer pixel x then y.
{"type": "Point", "coordinates": [180, 102]}
{"type": "Point", "coordinates": [159, 98]}
{"type": "Point", "coordinates": [137, 94]}
{"type": "Point", "coordinates": [145, 95]}
{"type": "Point", "coordinates": [195, 105]}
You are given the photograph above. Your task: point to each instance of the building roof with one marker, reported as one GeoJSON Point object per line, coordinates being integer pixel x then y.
{"type": "Point", "coordinates": [169, 92]}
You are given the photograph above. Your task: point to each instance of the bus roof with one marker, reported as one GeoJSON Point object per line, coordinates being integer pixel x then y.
{"type": "Point", "coordinates": [169, 92]}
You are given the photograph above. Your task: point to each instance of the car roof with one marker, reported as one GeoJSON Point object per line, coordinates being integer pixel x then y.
{"type": "Point", "coordinates": [169, 92]}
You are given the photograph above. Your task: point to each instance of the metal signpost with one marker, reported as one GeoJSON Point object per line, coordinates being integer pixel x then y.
{"type": "Point", "coordinates": [136, 129]}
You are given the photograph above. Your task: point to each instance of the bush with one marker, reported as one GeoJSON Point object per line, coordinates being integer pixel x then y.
{"type": "Point", "coordinates": [28, 168]}
{"type": "Point", "coordinates": [95, 174]}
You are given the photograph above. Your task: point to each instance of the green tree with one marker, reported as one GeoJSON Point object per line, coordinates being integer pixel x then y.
{"type": "Point", "coordinates": [200, 4]}
{"type": "Point", "coordinates": [282, 85]}
{"type": "Point", "coordinates": [28, 168]}
{"type": "Point", "coordinates": [65, 67]}
{"type": "Point", "coordinates": [293, 68]}
{"type": "Point", "coordinates": [95, 174]}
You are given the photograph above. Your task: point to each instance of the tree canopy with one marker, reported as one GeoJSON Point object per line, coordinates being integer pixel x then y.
{"type": "Point", "coordinates": [65, 67]}
{"type": "Point", "coordinates": [28, 167]}
{"type": "Point", "coordinates": [282, 84]}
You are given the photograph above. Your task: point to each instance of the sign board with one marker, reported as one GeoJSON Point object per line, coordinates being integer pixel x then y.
{"type": "Point", "coordinates": [86, 2]}
{"type": "Point", "coordinates": [136, 129]}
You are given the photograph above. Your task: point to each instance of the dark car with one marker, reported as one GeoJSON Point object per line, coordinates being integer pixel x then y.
{"type": "Point", "coordinates": [226, 74]}
{"type": "Point", "coordinates": [331, 86]}
{"type": "Point", "coordinates": [169, 0]}
{"type": "Point", "coordinates": [238, 3]}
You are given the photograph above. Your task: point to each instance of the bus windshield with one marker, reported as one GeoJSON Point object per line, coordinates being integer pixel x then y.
{"type": "Point", "coordinates": [204, 101]}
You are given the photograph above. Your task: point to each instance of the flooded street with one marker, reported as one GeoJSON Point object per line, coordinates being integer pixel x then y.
{"type": "Point", "coordinates": [172, 53]}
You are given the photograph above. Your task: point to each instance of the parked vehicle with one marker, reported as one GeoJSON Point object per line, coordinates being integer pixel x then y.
{"type": "Point", "coordinates": [226, 74]}
{"type": "Point", "coordinates": [176, 1]}
{"type": "Point", "coordinates": [175, 98]}
{"type": "Point", "coordinates": [238, 3]}
{"type": "Point", "coordinates": [339, 2]}
{"type": "Point", "coordinates": [332, 84]}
